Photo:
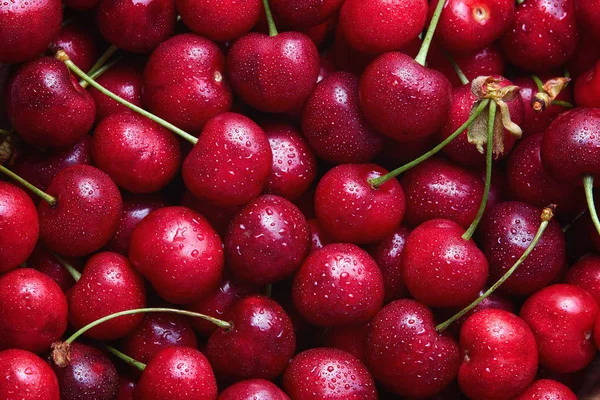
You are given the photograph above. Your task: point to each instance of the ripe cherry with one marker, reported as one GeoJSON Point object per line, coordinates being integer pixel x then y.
{"type": "Point", "coordinates": [45, 262]}
{"type": "Point", "coordinates": [219, 217]}
{"type": "Point", "coordinates": [126, 388]}
{"type": "Point", "coordinates": [346, 57]}
{"type": "Point", "coordinates": [318, 237]}
{"type": "Point", "coordinates": [547, 389]}
{"type": "Point", "coordinates": [388, 256]}
{"type": "Point", "coordinates": [587, 88]}
{"type": "Point", "coordinates": [26, 377]}
{"type": "Point", "coordinates": [349, 338]}
{"type": "Point", "coordinates": [304, 14]}
{"type": "Point", "coordinates": [125, 80]}
{"type": "Point", "coordinates": [253, 389]}
{"type": "Point", "coordinates": [588, 12]}
{"type": "Point", "coordinates": [75, 39]}
{"type": "Point", "coordinates": [586, 274]}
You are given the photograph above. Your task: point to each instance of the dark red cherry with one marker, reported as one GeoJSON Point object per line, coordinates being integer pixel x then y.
{"type": "Point", "coordinates": [77, 41]}
{"type": "Point", "coordinates": [177, 373]}
{"type": "Point", "coordinates": [402, 99]}
{"type": "Point", "coordinates": [87, 212]}
{"type": "Point", "coordinates": [253, 389]}
{"type": "Point", "coordinates": [441, 269]}
{"type": "Point", "coordinates": [126, 388]}
{"type": "Point", "coordinates": [259, 344]}
{"type": "Point", "coordinates": [318, 237]}
{"type": "Point", "coordinates": [406, 354]}
{"type": "Point", "coordinates": [388, 256]}
{"type": "Point", "coordinates": [125, 80]}
{"type": "Point", "coordinates": [570, 347]}
{"type": "Point", "coordinates": [33, 311]}
{"type": "Point", "coordinates": [89, 375]}
{"type": "Point", "coordinates": [543, 35]}
{"type": "Point", "coordinates": [547, 389]}
{"type": "Point", "coordinates": [28, 27]}
{"type": "Point", "coordinates": [108, 284]}
{"type": "Point", "coordinates": [587, 88]}
{"type": "Point", "coordinates": [499, 356]}
{"type": "Point", "coordinates": [331, 374]}
{"type": "Point", "coordinates": [337, 285]}
{"type": "Point", "coordinates": [588, 14]}
{"type": "Point", "coordinates": [586, 274]}
{"type": "Point", "coordinates": [304, 13]}
{"type": "Point", "coordinates": [138, 154]}
{"type": "Point", "coordinates": [26, 377]}
{"type": "Point", "coordinates": [178, 251]}
{"type": "Point", "coordinates": [346, 57]}
{"type": "Point", "coordinates": [184, 82]}
{"type": "Point", "coordinates": [231, 162]}
{"type": "Point", "coordinates": [349, 338]}
{"type": "Point", "coordinates": [334, 125]}
{"type": "Point", "coordinates": [585, 57]}
{"type": "Point", "coordinates": [47, 106]}
{"type": "Point", "coordinates": [19, 226]}
{"type": "Point", "coordinates": [42, 260]}
{"type": "Point", "coordinates": [273, 73]}
{"type": "Point", "coordinates": [351, 210]}
{"type": "Point", "coordinates": [219, 217]}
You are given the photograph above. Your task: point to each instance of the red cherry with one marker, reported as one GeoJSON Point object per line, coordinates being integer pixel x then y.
{"type": "Point", "coordinates": [337, 285]}
{"type": "Point", "coordinates": [259, 344]}
{"type": "Point", "coordinates": [47, 106]}
{"type": "Point", "coordinates": [441, 269]}
{"type": "Point", "coordinates": [588, 14]}
{"type": "Point", "coordinates": [126, 388]}
{"type": "Point", "coordinates": [77, 41]}
{"type": "Point", "coordinates": [346, 57]}
{"type": "Point", "coordinates": [42, 260]}
{"type": "Point", "coordinates": [253, 389]}
{"type": "Point", "coordinates": [334, 125]}
{"type": "Point", "coordinates": [125, 80]}
{"type": "Point", "coordinates": [184, 82]}
{"type": "Point", "coordinates": [26, 377]}
{"type": "Point", "coordinates": [273, 73]}
{"type": "Point", "coordinates": [176, 373]}
{"type": "Point", "coordinates": [547, 389]}
{"type": "Point", "coordinates": [305, 13]}
{"type": "Point", "coordinates": [499, 356]}
{"type": "Point", "coordinates": [178, 251]}
{"type": "Point", "coordinates": [586, 274]}
{"type": "Point", "coordinates": [19, 226]}
{"type": "Point", "coordinates": [349, 338]}
{"type": "Point", "coordinates": [585, 57]}
{"type": "Point", "coordinates": [571, 347]}
{"type": "Point", "coordinates": [352, 210]}
{"type": "Point", "coordinates": [318, 237]}
{"type": "Point", "coordinates": [33, 311]}
{"type": "Point", "coordinates": [219, 217]}
{"type": "Point", "coordinates": [406, 354]}
{"type": "Point", "coordinates": [587, 88]}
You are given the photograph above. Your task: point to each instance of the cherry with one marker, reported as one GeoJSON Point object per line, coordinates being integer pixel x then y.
{"type": "Point", "coordinates": [126, 388]}
{"type": "Point", "coordinates": [585, 56]}
{"type": "Point", "coordinates": [349, 338]}
{"type": "Point", "coordinates": [47, 106]}
{"type": "Point", "coordinates": [125, 80]}
{"type": "Point", "coordinates": [42, 260]}
{"type": "Point", "coordinates": [88, 374]}
{"type": "Point", "coordinates": [303, 13]}
{"type": "Point", "coordinates": [77, 41]}
{"type": "Point", "coordinates": [184, 82]}
{"type": "Point", "coordinates": [499, 356]}
{"type": "Point", "coordinates": [586, 274]}
{"type": "Point", "coordinates": [177, 373]}
{"type": "Point", "coordinates": [219, 217]}
{"type": "Point", "coordinates": [587, 87]}
{"type": "Point", "coordinates": [28, 27]}
{"type": "Point", "coordinates": [388, 256]}
{"type": "Point", "coordinates": [253, 389]}
{"type": "Point", "coordinates": [26, 377]}
{"type": "Point", "coordinates": [33, 311]}
{"type": "Point", "coordinates": [350, 209]}
{"type": "Point", "coordinates": [19, 226]}
{"type": "Point", "coordinates": [259, 343]}
{"type": "Point", "coordinates": [337, 285]}
{"type": "Point", "coordinates": [346, 57]}
{"type": "Point", "coordinates": [547, 389]}
{"type": "Point", "coordinates": [178, 251]}
{"type": "Point", "coordinates": [406, 354]}
{"type": "Point", "coordinates": [574, 310]}
{"type": "Point", "coordinates": [334, 125]}
{"type": "Point", "coordinates": [318, 237]}
{"type": "Point", "coordinates": [588, 12]}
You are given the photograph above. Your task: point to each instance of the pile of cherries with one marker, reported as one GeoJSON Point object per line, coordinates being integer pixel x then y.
{"type": "Point", "coordinates": [299, 199]}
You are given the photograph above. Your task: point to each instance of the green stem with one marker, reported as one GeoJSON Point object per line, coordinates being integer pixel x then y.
{"type": "Point", "coordinates": [100, 71]}
{"type": "Point", "coordinates": [218, 322]}
{"type": "Point", "coordinates": [461, 75]}
{"type": "Point", "coordinates": [488, 172]}
{"type": "Point", "coordinates": [43, 195]}
{"type": "Point", "coordinates": [520, 1]}
{"type": "Point", "coordinates": [547, 215]}
{"type": "Point", "coordinates": [269, 290]}
{"type": "Point", "coordinates": [62, 56]}
{"type": "Point", "coordinates": [4, 132]}
{"type": "Point", "coordinates": [562, 103]}
{"type": "Point", "coordinates": [392, 174]}
{"type": "Point", "coordinates": [422, 56]}
{"type": "Point", "coordinates": [71, 269]}
{"type": "Point", "coordinates": [588, 186]}
{"type": "Point", "coordinates": [538, 83]}
{"type": "Point", "coordinates": [129, 360]}
{"type": "Point", "coordinates": [270, 21]}
{"type": "Point", "coordinates": [103, 58]}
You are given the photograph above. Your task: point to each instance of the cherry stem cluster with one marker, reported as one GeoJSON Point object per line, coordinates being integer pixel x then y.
{"type": "Point", "coordinates": [422, 55]}
{"type": "Point", "coordinates": [43, 195]}
{"type": "Point", "coordinates": [588, 186]}
{"type": "Point", "coordinates": [270, 21]}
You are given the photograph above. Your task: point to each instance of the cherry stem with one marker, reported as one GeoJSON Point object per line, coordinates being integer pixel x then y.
{"type": "Point", "coordinates": [269, 290]}
{"type": "Point", "coordinates": [461, 75]}
{"type": "Point", "coordinates": [270, 21]}
{"type": "Point", "coordinates": [547, 214]}
{"type": "Point", "coordinates": [376, 182]}
{"type": "Point", "coordinates": [563, 103]}
{"type": "Point", "coordinates": [124, 357]}
{"type": "Point", "coordinates": [588, 186]}
{"type": "Point", "coordinates": [103, 59]}
{"type": "Point", "coordinates": [62, 56]}
{"type": "Point", "coordinates": [218, 322]}
{"type": "Point", "coordinates": [520, 1]}
{"type": "Point", "coordinates": [100, 71]}
{"type": "Point", "coordinates": [4, 132]}
{"type": "Point", "coordinates": [488, 172]}
{"type": "Point", "coordinates": [43, 195]}
{"type": "Point", "coordinates": [538, 83]}
{"type": "Point", "coordinates": [566, 227]}
{"type": "Point", "coordinates": [422, 56]}
{"type": "Point", "coordinates": [76, 275]}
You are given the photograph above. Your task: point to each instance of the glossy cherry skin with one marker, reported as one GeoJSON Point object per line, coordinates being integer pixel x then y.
{"type": "Point", "coordinates": [402, 99]}
{"type": "Point", "coordinates": [499, 356]}
{"type": "Point", "coordinates": [42, 260]}
{"type": "Point", "coordinates": [318, 237]}
{"type": "Point", "coordinates": [26, 377]}
{"type": "Point", "coordinates": [543, 35]}
{"type": "Point", "coordinates": [125, 80]}
{"type": "Point", "coordinates": [47, 106]}
{"type": "Point", "coordinates": [259, 344]}
{"type": "Point", "coordinates": [334, 125]}
{"type": "Point", "coordinates": [349, 338]}
{"type": "Point", "coordinates": [138, 154]}
{"type": "Point", "coordinates": [19, 226]}
{"type": "Point", "coordinates": [441, 269]}
{"type": "Point", "coordinates": [574, 310]}
{"type": "Point", "coordinates": [78, 43]}
{"type": "Point", "coordinates": [547, 389]}
{"type": "Point", "coordinates": [506, 232]}
{"type": "Point", "coordinates": [406, 354]}
{"type": "Point", "coordinates": [108, 284]}
{"type": "Point", "coordinates": [178, 251]}
{"type": "Point", "coordinates": [294, 165]}
{"type": "Point", "coordinates": [273, 74]}
{"type": "Point", "coordinates": [388, 256]}
{"type": "Point", "coordinates": [28, 27]}
{"type": "Point", "coordinates": [337, 285]}
{"type": "Point", "coordinates": [328, 374]}
{"type": "Point", "coordinates": [253, 389]}
{"type": "Point", "coordinates": [177, 373]}
{"type": "Point", "coordinates": [351, 210]}
{"type": "Point", "coordinates": [86, 214]}
{"type": "Point", "coordinates": [184, 82]}
{"type": "Point", "coordinates": [588, 13]}
{"type": "Point", "coordinates": [587, 88]}
{"type": "Point", "coordinates": [33, 311]}
{"type": "Point", "coordinates": [89, 375]}
{"type": "Point", "coordinates": [586, 274]}
{"type": "Point", "coordinates": [303, 13]}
